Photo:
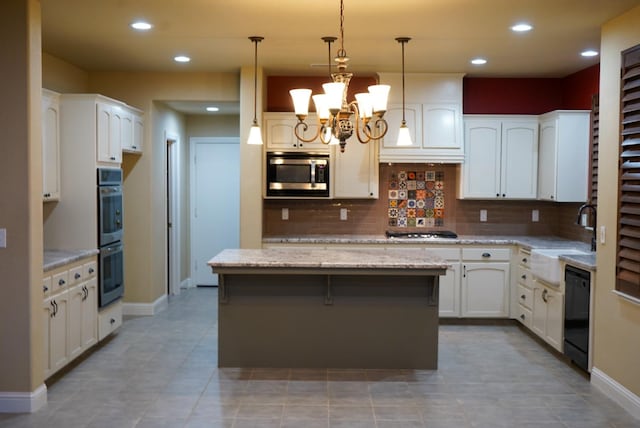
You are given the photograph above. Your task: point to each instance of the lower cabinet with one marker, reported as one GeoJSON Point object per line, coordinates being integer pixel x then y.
{"type": "Point", "coordinates": [449, 289]}
{"type": "Point", "coordinates": [485, 282]}
{"type": "Point", "coordinates": [70, 313]}
{"type": "Point", "coordinates": [109, 319]}
{"type": "Point", "coordinates": [548, 314]}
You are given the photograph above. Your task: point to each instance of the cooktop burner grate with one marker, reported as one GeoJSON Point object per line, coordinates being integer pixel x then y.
{"type": "Point", "coordinates": [425, 234]}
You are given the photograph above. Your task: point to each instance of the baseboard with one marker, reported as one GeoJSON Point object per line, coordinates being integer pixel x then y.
{"type": "Point", "coordinates": [145, 309]}
{"type": "Point", "coordinates": [186, 283]}
{"type": "Point", "coordinates": [23, 402]}
{"type": "Point", "coordinates": [618, 393]}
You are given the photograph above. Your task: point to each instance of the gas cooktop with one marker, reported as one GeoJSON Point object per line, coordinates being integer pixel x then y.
{"type": "Point", "coordinates": [425, 234]}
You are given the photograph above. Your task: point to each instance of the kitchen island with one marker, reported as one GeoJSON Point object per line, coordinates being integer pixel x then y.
{"type": "Point", "coordinates": [315, 308]}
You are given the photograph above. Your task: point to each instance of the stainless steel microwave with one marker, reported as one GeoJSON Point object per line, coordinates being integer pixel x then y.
{"type": "Point", "coordinates": [297, 175]}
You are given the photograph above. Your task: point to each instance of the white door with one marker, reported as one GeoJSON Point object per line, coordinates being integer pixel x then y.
{"type": "Point", "coordinates": [215, 202]}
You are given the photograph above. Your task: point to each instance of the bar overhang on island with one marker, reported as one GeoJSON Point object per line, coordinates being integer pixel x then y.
{"type": "Point", "coordinates": [317, 308]}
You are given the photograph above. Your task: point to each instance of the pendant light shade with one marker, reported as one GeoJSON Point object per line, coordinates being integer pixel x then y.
{"type": "Point", "coordinates": [255, 135]}
{"type": "Point", "coordinates": [404, 135]}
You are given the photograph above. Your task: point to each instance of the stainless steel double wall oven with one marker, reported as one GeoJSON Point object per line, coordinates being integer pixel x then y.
{"type": "Point", "coordinates": [110, 235]}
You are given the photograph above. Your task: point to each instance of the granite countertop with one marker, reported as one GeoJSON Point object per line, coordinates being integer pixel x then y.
{"type": "Point", "coordinates": [365, 258]}
{"type": "Point", "coordinates": [587, 261]}
{"type": "Point", "coordinates": [55, 258]}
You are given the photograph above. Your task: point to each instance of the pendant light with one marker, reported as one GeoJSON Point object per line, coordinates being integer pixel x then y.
{"type": "Point", "coordinates": [404, 136]}
{"type": "Point", "coordinates": [255, 135]}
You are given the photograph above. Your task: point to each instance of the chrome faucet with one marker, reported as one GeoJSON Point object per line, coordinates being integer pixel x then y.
{"type": "Point", "coordinates": [595, 222]}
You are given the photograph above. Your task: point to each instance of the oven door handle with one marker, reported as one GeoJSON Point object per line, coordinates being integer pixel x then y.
{"type": "Point", "coordinates": [313, 173]}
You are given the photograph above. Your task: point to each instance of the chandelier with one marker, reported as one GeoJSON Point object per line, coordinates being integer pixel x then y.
{"type": "Point", "coordinates": [333, 110]}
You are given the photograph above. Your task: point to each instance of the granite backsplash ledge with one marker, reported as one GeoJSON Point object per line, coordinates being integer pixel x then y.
{"type": "Point", "coordinates": [372, 217]}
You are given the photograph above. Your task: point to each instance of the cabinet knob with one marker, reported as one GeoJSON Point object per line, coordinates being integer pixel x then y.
{"type": "Point", "coordinates": [522, 317]}
{"type": "Point", "coordinates": [77, 276]}
{"type": "Point", "coordinates": [523, 297]}
{"type": "Point", "coordinates": [45, 288]}
{"type": "Point", "coordinates": [551, 197]}
{"type": "Point", "coordinates": [524, 277]}
{"type": "Point", "coordinates": [486, 255]}
{"type": "Point", "coordinates": [497, 195]}
{"type": "Point", "coordinates": [91, 270]}
{"type": "Point", "coordinates": [524, 260]}
{"type": "Point", "coordinates": [112, 321]}
{"type": "Point", "coordinates": [134, 147]}
{"type": "Point", "coordinates": [61, 282]}
{"type": "Point", "coordinates": [112, 158]}
{"type": "Point", "coordinates": [504, 195]}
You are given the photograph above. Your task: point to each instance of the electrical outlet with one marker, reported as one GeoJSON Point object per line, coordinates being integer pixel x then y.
{"type": "Point", "coordinates": [3, 238]}
{"type": "Point", "coordinates": [483, 215]}
{"type": "Point", "coordinates": [602, 229]}
{"type": "Point", "coordinates": [343, 213]}
{"type": "Point", "coordinates": [535, 216]}
{"type": "Point", "coordinates": [285, 213]}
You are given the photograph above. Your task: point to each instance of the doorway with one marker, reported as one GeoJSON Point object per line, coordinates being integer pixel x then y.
{"type": "Point", "coordinates": [215, 202]}
{"type": "Point", "coordinates": [173, 213]}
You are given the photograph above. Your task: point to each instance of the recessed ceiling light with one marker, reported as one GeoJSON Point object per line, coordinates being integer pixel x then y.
{"type": "Point", "coordinates": [212, 109]}
{"type": "Point", "coordinates": [182, 58]}
{"type": "Point", "coordinates": [478, 61]}
{"type": "Point", "coordinates": [522, 27]}
{"type": "Point", "coordinates": [589, 53]}
{"type": "Point", "coordinates": [141, 25]}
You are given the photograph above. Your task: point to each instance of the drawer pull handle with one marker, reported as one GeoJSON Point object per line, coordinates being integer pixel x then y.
{"type": "Point", "coordinates": [61, 282]}
{"type": "Point", "coordinates": [77, 276]}
{"type": "Point", "coordinates": [91, 270]}
{"type": "Point", "coordinates": [523, 297]}
{"type": "Point", "coordinates": [524, 277]}
{"type": "Point", "coordinates": [486, 255]}
{"type": "Point", "coordinates": [524, 260]}
{"type": "Point", "coordinates": [112, 321]}
{"type": "Point", "coordinates": [522, 317]}
{"type": "Point", "coordinates": [45, 288]}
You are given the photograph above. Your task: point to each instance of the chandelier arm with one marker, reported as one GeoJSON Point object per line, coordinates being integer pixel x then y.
{"type": "Point", "coordinates": [380, 123]}
{"type": "Point", "coordinates": [366, 131]}
{"type": "Point", "coordinates": [322, 132]}
{"type": "Point", "coordinates": [305, 128]}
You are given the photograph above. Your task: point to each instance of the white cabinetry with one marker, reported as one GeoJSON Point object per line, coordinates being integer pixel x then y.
{"type": "Point", "coordinates": [69, 313]}
{"type": "Point", "coordinates": [501, 157]}
{"type": "Point", "coordinates": [548, 314]}
{"type": "Point", "coordinates": [355, 171]}
{"type": "Point", "coordinates": [449, 289]}
{"type": "Point", "coordinates": [109, 319]}
{"type": "Point", "coordinates": [109, 132]}
{"type": "Point", "coordinates": [433, 111]}
{"type": "Point", "coordinates": [50, 146]}
{"type": "Point", "coordinates": [280, 133]}
{"type": "Point", "coordinates": [564, 156]}
{"type": "Point", "coordinates": [132, 132]}
{"type": "Point", "coordinates": [485, 282]}
{"type": "Point", "coordinates": [524, 288]}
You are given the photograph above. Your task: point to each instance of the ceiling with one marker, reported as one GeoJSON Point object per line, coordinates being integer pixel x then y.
{"type": "Point", "coordinates": [446, 34]}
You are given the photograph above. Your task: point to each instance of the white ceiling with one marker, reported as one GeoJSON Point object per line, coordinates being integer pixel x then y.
{"type": "Point", "coordinates": [446, 34]}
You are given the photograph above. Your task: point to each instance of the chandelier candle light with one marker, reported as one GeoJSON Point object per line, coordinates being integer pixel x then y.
{"type": "Point", "coordinates": [333, 110]}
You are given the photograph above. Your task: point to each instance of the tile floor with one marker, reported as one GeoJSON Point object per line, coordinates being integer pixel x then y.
{"type": "Point", "coordinates": [161, 372]}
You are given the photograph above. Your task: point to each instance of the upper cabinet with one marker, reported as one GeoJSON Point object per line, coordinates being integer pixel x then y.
{"type": "Point", "coordinates": [132, 132]}
{"type": "Point", "coordinates": [50, 145]}
{"type": "Point", "coordinates": [433, 112]}
{"type": "Point", "coordinates": [355, 171]}
{"type": "Point", "coordinates": [280, 133]}
{"type": "Point", "coordinates": [564, 156]}
{"type": "Point", "coordinates": [501, 157]}
{"type": "Point", "coordinates": [109, 132]}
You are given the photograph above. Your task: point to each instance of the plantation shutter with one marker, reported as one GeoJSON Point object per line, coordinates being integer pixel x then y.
{"type": "Point", "coordinates": [628, 259]}
{"type": "Point", "coordinates": [595, 141]}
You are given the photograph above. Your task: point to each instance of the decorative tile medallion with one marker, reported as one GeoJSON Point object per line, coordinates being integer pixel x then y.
{"type": "Point", "coordinates": [416, 199]}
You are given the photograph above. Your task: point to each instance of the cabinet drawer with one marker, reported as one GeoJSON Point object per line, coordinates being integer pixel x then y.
{"type": "Point", "coordinates": [524, 277]}
{"type": "Point", "coordinates": [75, 275]}
{"type": "Point", "coordinates": [90, 269]}
{"type": "Point", "coordinates": [524, 258]}
{"type": "Point", "coordinates": [109, 319]}
{"type": "Point", "coordinates": [486, 254]}
{"type": "Point", "coordinates": [59, 280]}
{"type": "Point", "coordinates": [46, 286]}
{"type": "Point", "coordinates": [525, 316]}
{"type": "Point", "coordinates": [445, 253]}
{"type": "Point", "coordinates": [525, 296]}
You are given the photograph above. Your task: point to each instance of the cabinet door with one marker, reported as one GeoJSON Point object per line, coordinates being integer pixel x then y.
{"type": "Point", "coordinates": [50, 148]}
{"type": "Point", "coordinates": [413, 118]}
{"type": "Point", "coordinates": [547, 171]}
{"type": "Point", "coordinates": [89, 320]}
{"type": "Point", "coordinates": [449, 302]}
{"type": "Point", "coordinates": [74, 343]}
{"type": "Point", "coordinates": [554, 334]}
{"type": "Point", "coordinates": [481, 170]}
{"type": "Point", "coordinates": [539, 320]}
{"type": "Point", "coordinates": [519, 178]}
{"type": "Point", "coordinates": [126, 131]}
{"type": "Point", "coordinates": [485, 291]}
{"type": "Point", "coordinates": [109, 133]}
{"type": "Point", "coordinates": [56, 325]}
{"type": "Point", "coordinates": [47, 315]}
{"type": "Point", "coordinates": [441, 125]}
{"type": "Point", "coordinates": [355, 171]}
{"type": "Point", "coordinates": [115, 134]}
{"type": "Point", "coordinates": [138, 133]}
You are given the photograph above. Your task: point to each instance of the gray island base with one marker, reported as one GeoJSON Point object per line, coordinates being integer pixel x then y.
{"type": "Point", "coordinates": [306, 308]}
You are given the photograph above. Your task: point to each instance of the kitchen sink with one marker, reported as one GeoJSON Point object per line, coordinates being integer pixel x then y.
{"type": "Point", "coordinates": [545, 264]}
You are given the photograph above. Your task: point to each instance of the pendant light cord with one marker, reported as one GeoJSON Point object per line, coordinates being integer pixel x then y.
{"type": "Point", "coordinates": [402, 41]}
{"type": "Point", "coordinates": [255, 40]}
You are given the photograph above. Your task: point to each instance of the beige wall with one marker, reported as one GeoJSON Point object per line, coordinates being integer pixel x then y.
{"type": "Point", "coordinates": [145, 184]}
{"type": "Point", "coordinates": [21, 345]}
{"type": "Point", "coordinates": [617, 322]}
{"type": "Point", "coordinates": [62, 77]}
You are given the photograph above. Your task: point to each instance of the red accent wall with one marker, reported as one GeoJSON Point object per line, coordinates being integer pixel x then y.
{"type": "Point", "coordinates": [278, 98]}
{"type": "Point", "coordinates": [579, 88]}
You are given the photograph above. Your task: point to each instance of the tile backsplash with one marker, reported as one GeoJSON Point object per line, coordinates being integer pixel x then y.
{"type": "Point", "coordinates": [374, 217]}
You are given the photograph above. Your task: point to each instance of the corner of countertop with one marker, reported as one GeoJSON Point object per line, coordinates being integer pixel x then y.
{"type": "Point", "coordinates": [54, 259]}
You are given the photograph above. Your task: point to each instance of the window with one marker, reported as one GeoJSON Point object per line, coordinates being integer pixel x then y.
{"type": "Point", "coordinates": [628, 256]}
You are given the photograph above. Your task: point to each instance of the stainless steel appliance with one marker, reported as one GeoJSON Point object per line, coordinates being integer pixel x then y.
{"type": "Point", "coordinates": [422, 234]}
{"type": "Point", "coordinates": [110, 235]}
{"type": "Point", "coordinates": [297, 174]}
{"type": "Point", "coordinates": [576, 315]}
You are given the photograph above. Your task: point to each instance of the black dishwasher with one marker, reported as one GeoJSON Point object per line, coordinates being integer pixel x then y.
{"type": "Point", "coordinates": [576, 315]}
